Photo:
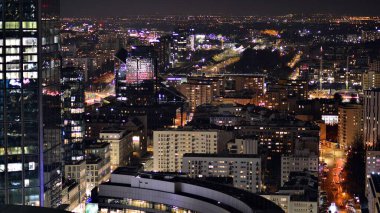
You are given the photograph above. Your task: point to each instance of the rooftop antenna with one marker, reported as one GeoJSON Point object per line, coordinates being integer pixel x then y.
{"type": "Point", "coordinates": [347, 71]}
{"type": "Point", "coordinates": [321, 70]}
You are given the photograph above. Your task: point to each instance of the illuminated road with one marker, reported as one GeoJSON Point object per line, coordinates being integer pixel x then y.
{"type": "Point", "coordinates": [295, 74]}
{"type": "Point", "coordinates": [215, 69]}
{"type": "Point", "coordinates": [335, 159]}
{"type": "Point", "coordinates": [332, 184]}
{"type": "Point", "coordinates": [96, 97]}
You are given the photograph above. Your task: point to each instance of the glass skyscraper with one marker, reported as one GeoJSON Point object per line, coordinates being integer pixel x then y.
{"type": "Point", "coordinates": [30, 121]}
{"type": "Point", "coordinates": [73, 98]}
{"type": "Point", "coordinates": [136, 72]}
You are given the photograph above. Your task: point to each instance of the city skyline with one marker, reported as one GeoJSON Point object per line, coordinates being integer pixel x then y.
{"type": "Point", "coordinates": [120, 8]}
{"type": "Point", "coordinates": [199, 106]}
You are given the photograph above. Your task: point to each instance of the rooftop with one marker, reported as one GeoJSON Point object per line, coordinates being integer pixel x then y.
{"type": "Point", "coordinates": [256, 202]}
{"type": "Point", "coordinates": [224, 155]}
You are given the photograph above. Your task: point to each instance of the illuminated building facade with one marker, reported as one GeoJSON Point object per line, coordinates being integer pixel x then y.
{"type": "Point", "coordinates": [130, 191]}
{"type": "Point", "coordinates": [371, 118]}
{"type": "Point", "coordinates": [201, 90]}
{"type": "Point", "coordinates": [371, 78]}
{"type": "Point", "coordinates": [245, 170]}
{"type": "Point", "coordinates": [135, 76]}
{"type": "Point", "coordinates": [170, 146]}
{"type": "Point", "coordinates": [350, 124]}
{"type": "Point", "coordinates": [30, 119]}
{"type": "Point", "coordinates": [73, 113]}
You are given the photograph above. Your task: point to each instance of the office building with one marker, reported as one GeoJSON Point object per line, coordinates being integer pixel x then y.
{"type": "Point", "coordinates": [180, 46]}
{"type": "Point", "coordinates": [371, 115]}
{"type": "Point", "coordinates": [167, 192]}
{"type": "Point", "coordinates": [30, 120]}
{"type": "Point", "coordinates": [169, 146]}
{"type": "Point", "coordinates": [245, 170]}
{"type": "Point", "coordinates": [350, 126]}
{"type": "Point", "coordinates": [136, 71]}
{"type": "Point", "coordinates": [73, 104]}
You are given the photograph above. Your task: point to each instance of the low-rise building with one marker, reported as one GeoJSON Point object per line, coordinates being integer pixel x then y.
{"type": "Point", "coordinates": [98, 164]}
{"type": "Point", "coordinates": [159, 192]}
{"type": "Point", "coordinates": [71, 195]}
{"type": "Point", "coordinates": [120, 141]}
{"type": "Point", "coordinates": [76, 170]}
{"type": "Point", "coordinates": [299, 194]}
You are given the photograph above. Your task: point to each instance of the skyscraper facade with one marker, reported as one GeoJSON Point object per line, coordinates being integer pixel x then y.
{"type": "Point", "coordinates": [73, 98]}
{"type": "Point", "coordinates": [371, 118]}
{"type": "Point", "coordinates": [30, 123]}
{"type": "Point", "coordinates": [136, 71]}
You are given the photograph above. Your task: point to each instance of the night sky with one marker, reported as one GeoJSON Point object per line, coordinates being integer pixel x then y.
{"type": "Point", "coordinates": [118, 8]}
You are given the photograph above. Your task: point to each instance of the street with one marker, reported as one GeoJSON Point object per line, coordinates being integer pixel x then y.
{"type": "Point", "coordinates": [332, 178]}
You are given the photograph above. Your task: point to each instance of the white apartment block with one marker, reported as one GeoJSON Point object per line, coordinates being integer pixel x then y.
{"type": "Point", "coordinates": [245, 170]}
{"type": "Point", "coordinates": [297, 163]}
{"type": "Point", "coordinates": [120, 146]}
{"type": "Point", "coordinates": [169, 146]}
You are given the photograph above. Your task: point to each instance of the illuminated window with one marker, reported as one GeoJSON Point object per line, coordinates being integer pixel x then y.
{"type": "Point", "coordinates": [30, 58]}
{"type": "Point", "coordinates": [29, 25]}
{"type": "Point", "coordinates": [29, 41]}
{"type": "Point", "coordinates": [12, 42]}
{"type": "Point", "coordinates": [11, 25]}
{"type": "Point", "coordinates": [31, 75]}
{"type": "Point", "coordinates": [13, 75]}
{"type": "Point", "coordinates": [12, 50]}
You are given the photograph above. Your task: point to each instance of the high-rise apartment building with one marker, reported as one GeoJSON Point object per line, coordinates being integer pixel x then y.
{"type": "Point", "coordinates": [371, 117]}
{"type": "Point", "coordinates": [30, 119]}
{"type": "Point", "coordinates": [169, 146]}
{"type": "Point", "coordinates": [201, 90]}
{"type": "Point", "coordinates": [350, 126]}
